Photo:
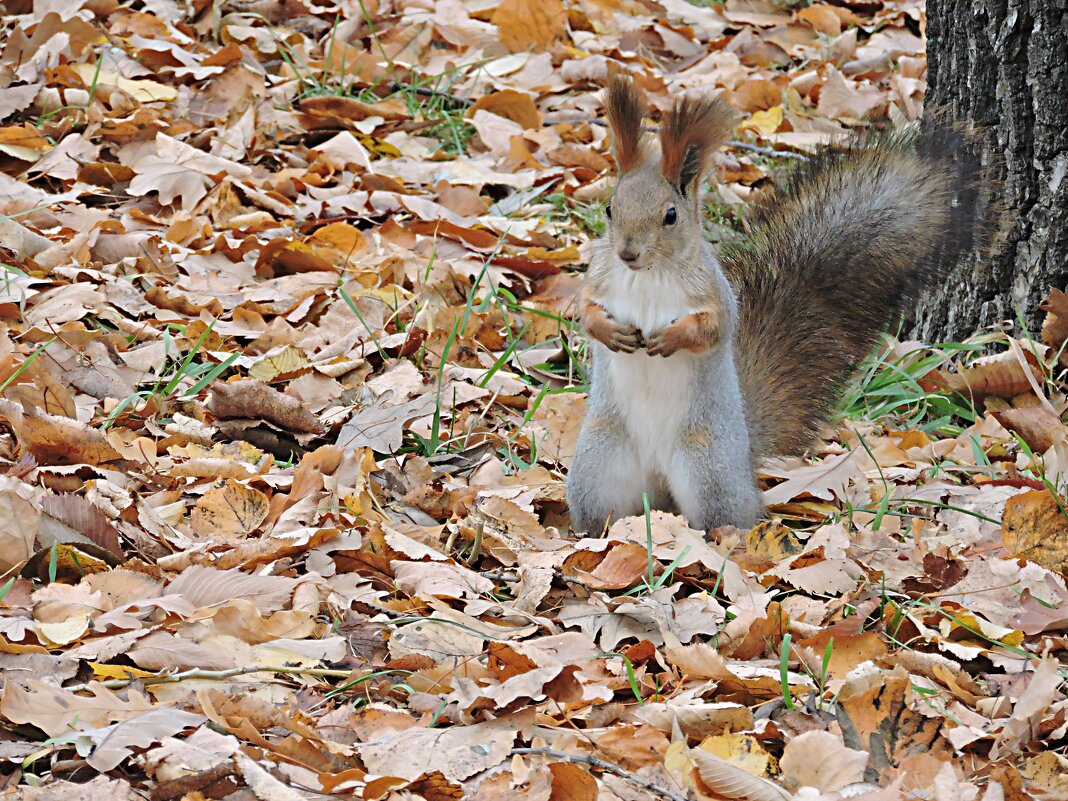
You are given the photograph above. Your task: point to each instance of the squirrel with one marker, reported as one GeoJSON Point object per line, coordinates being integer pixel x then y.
{"type": "Point", "coordinates": [703, 367]}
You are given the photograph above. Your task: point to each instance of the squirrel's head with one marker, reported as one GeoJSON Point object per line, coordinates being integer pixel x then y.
{"type": "Point", "coordinates": [654, 219]}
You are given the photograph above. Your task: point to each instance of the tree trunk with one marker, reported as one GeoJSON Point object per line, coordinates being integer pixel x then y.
{"type": "Point", "coordinates": [1003, 64]}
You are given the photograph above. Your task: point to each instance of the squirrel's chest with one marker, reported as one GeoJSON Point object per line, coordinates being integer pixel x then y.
{"type": "Point", "coordinates": [651, 393]}
{"type": "Point", "coordinates": [646, 300]}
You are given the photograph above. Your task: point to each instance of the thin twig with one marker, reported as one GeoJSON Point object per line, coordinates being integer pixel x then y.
{"type": "Point", "coordinates": [505, 576]}
{"type": "Point", "coordinates": [198, 673]}
{"type": "Point", "coordinates": [767, 151]}
{"type": "Point", "coordinates": [572, 580]}
{"type": "Point", "coordinates": [594, 762]}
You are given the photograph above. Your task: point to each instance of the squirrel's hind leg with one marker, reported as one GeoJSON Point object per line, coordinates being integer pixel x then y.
{"type": "Point", "coordinates": [712, 482]}
{"type": "Point", "coordinates": [605, 482]}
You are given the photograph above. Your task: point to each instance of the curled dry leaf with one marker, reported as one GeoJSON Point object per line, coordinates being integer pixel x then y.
{"type": "Point", "coordinates": [1002, 374]}
{"type": "Point", "coordinates": [1055, 326]}
{"type": "Point", "coordinates": [1039, 427]}
{"type": "Point", "coordinates": [57, 440]}
{"type": "Point", "coordinates": [251, 399]}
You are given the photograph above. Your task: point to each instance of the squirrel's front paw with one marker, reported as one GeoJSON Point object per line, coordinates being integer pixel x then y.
{"type": "Point", "coordinates": [615, 336]}
{"type": "Point", "coordinates": [695, 332]}
{"type": "Point", "coordinates": [622, 338]}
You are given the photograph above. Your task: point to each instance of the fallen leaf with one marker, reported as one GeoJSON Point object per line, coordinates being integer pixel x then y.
{"type": "Point", "coordinates": [1035, 527]}
{"type": "Point", "coordinates": [820, 759]}
{"type": "Point", "coordinates": [229, 510]}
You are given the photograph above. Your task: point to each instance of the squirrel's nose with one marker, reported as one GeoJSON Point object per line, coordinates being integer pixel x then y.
{"type": "Point", "coordinates": [629, 255]}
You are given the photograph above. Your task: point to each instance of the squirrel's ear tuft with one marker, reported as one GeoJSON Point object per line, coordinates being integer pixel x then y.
{"type": "Point", "coordinates": [625, 114]}
{"type": "Point", "coordinates": [689, 134]}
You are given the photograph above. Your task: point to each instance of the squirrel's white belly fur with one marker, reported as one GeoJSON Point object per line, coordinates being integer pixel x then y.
{"type": "Point", "coordinates": [652, 393]}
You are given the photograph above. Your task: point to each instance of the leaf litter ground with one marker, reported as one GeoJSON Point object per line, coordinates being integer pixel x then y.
{"type": "Point", "coordinates": [290, 384]}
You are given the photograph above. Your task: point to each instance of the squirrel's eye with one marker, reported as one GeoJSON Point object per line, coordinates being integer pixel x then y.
{"type": "Point", "coordinates": [670, 217]}
{"type": "Point", "coordinates": [608, 211]}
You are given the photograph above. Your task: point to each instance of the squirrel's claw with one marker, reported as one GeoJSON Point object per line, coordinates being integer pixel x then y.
{"type": "Point", "coordinates": [624, 338]}
{"type": "Point", "coordinates": [659, 345]}
{"type": "Point", "coordinates": [695, 332]}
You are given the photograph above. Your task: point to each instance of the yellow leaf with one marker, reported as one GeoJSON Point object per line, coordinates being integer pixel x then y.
{"type": "Point", "coordinates": [678, 763]}
{"type": "Point", "coordinates": [23, 142]}
{"type": "Point", "coordinates": [286, 362]}
{"type": "Point", "coordinates": [102, 671]}
{"type": "Point", "coordinates": [764, 122]}
{"type": "Point", "coordinates": [144, 90]}
{"type": "Point", "coordinates": [741, 750]}
{"type": "Point", "coordinates": [378, 146]}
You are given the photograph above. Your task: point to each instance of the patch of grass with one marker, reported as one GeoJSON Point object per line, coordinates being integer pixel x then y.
{"type": "Point", "coordinates": [427, 98]}
{"type": "Point", "coordinates": [585, 216]}
{"type": "Point", "coordinates": [784, 671]}
{"type": "Point", "coordinates": [890, 388]}
{"type": "Point", "coordinates": [187, 368]}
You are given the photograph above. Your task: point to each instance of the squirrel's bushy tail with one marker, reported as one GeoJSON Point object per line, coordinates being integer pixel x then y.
{"type": "Point", "coordinates": [834, 257]}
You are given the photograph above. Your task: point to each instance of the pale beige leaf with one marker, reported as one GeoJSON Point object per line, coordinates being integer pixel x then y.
{"type": "Point", "coordinates": [820, 759]}
{"type": "Point", "coordinates": [732, 781]}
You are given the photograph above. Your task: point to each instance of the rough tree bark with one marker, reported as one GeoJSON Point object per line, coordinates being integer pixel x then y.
{"type": "Point", "coordinates": [1004, 65]}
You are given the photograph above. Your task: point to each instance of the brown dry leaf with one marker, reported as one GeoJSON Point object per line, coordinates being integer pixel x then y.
{"type": "Point", "coordinates": [622, 566]}
{"type": "Point", "coordinates": [99, 788]}
{"type": "Point", "coordinates": [827, 479]}
{"type": "Point", "coordinates": [253, 399]}
{"type": "Point", "coordinates": [204, 587]}
{"type": "Point", "coordinates": [847, 652]}
{"type": "Point", "coordinates": [57, 440]}
{"type": "Point", "coordinates": [1001, 374]}
{"type": "Point", "coordinates": [755, 12]}
{"type": "Point", "coordinates": [1055, 326]}
{"type": "Point", "coordinates": [525, 25]}
{"type": "Point", "coordinates": [1035, 527]}
{"type": "Point", "coordinates": [741, 750]}
{"type": "Point", "coordinates": [572, 783]}
{"type": "Point", "coordinates": [1039, 427]}
{"type": "Point", "coordinates": [83, 518]}
{"type": "Point", "coordinates": [1038, 616]}
{"type": "Point", "coordinates": [771, 542]}
{"type": "Point", "coordinates": [846, 100]}
{"type": "Point", "coordinates": [697, 661]}
{"type": "Point", "coordinates": [429, 580]}
{"type": "Point", "coordinates": [229, 511]}
{"type": "Point", "coordinates": [510, 104]}
{"type": "Point", "coordinates": [1031, 708]}
{"type": "Point", "coordinates": [19, 520]}
{"type": "Point", "coordinates": [880, 719]}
